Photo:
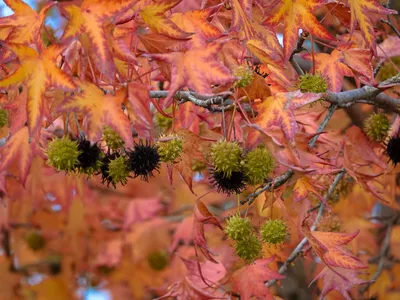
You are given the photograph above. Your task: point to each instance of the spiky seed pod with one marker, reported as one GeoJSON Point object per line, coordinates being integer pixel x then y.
{"type": "Point", "coordinates": [158, 260]}
{"type": "Point", "coordinates": [112, 139]}
{"type": "Point", "coordinates": [237, 228]}
{"type": "Point", "coordinates": [258, 165]}
{"type": "Point", "coordinates": [105, 270]}
{"type": "Point", "coordinates": [312, 83]}
{"type": "Point", "coordinates": [246, 76]}
{"type": "Point", "coordinates": [63, 154]}
{"type": "Point", "coordinates": [393, 149]}
{"type": "Point", "coordinates": [226, 157]}
{"type": "Point", "coordinates": [274, 232]}
{"type": "Point", "coordinates": [235, 184]}
{"type": "Point", "coordinates": [342, 189]}
{"type": "Point", "coordinates": [105, 169]}
{"type": "Point", "coordinates": [3, 117]}
{"type": "Point", "coordinates": [170, 150]}
{"type": "Point", "coordinates": [35, 241]}
{"type": "Point", "coordinates": [248, 248]}
{"type": "Point", "coordinates": [143, 160]}
{"type": "Point", "coordinates": [90, 158]}
{"type": "Point", "coordinates": [376, 127]}
{"type": "Point", "coordinates": [118, 170]}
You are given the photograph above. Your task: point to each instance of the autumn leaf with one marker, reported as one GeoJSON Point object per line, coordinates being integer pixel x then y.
{"type": "Point", "coordinates": [250, 280]}
{"type": "Point", "coordinates": [360, 10]}
{"type": "Point", "coordinates": [100, 110]}
{"type": "Point", "coordinates": [329, 246]}
{"type": "Point", "coordinates": [304, 187]}
{"type": "Point", "coordinates": [139, 210]}
{"type": "Point", "coordinates": [297, 15]}
{"type": "Point", "coordinates": [89, 20]}
{"type": "Point", "coordinates": [38, 72]}
{"type": "Point", "coordinates": [26, 23]}
{"type": "Point", "coordinates": [197, 68]}
{"type": "Point", "coordinates": [18, 150]}
{"type": "Point", "coordinates": [277, 110]}
{"type": "Point", "coordinates": [343, 284]}
{"type": "Point", "coordinates": [154, 16]}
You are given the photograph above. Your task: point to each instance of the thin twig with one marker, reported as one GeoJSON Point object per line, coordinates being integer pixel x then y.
{"type": "Point", "coordinates": [391, 25]}
{"type": "Point", "coordinates": [323, 124]}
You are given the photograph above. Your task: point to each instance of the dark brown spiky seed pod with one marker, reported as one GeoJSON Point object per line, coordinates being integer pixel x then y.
{"type": "Point", "coordinates": [235, 184]}
{"type": "Point", "coordinates": [376, 127]}
{"type": "Point", "coordinates": [143, 160]}
{"type": "Point", "coordinates": [90, 157]}
{"type": "Point", "coordinates": [393, 149]}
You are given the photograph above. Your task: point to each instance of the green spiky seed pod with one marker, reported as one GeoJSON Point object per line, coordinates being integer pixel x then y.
{"type": "Point", "coordinates": [158, 260]}
{"type": "Point", "coordinates": [164, 123]}
{"type": "Point", "coordinates": [246, 76]}
{"type": "Point", "coordinates": [112, 139]}
{"type": "Point", "coordinates": [312, 83]}
{"type": "Point", "coordinates": [237, 228]}
{"type": "Point", "coordinates": [35, 241]}
{"type": "Point", "coordinates": [226, 157]}
{"type": "Point", "coordinates": [343, 188]}
{"type": "Point", "coordinates": [170, 150]}
{"type": "Point", "coordinates": [3, 117]}
{"type": "Point", "coordinates": [198, 165]}
{"type": "Point", "coordinates": [376, 127]}
{"type": "Point", "coordinates": [258, 165]}
{"type": "Point", "coordinates": [248, 248]}
{"type": "Point", "coordinates": [274, 232]}
{"type": "Point", "coordinates": [388, 70]}
{"type": "Point", "coordinates": [63, 154]}
{"type": "Point", "coordinates": [118, 170]}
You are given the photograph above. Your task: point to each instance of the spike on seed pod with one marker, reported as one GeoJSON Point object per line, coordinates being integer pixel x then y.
{"type": "Point", "coordinates": [235, 184]}
{"type": "Point", "coordinates": [248, 248]}
{"type": "Point", "coordinates": [376, 127]}
{"type": "Point", "coordinates": [63, 154]}
{"type": "Point", "coordinates": [312, 83]}
{"type": "Point", "coordinates": [143, 160]}
{"type": "Point", "coordinates": [393, 149]}
{"type": "Point", "coordinates": [274, 232]}
{"type": "Point", "coordinates": [90, 158]}
{"type": "Point", "coordinates": [3, 118]}
{"type": "Point", "coordinates": [246, 76]}
{"type": "Point", "coordinates": [238, 228]}
{"type": "Point", "coordinates": [258, 164]}
{"type": "Point", "coordinates": [171, 149]}
{"type": "Point", "coordinates": [112, 139]}
{"type": "Point", "coordinates": [226, 157]}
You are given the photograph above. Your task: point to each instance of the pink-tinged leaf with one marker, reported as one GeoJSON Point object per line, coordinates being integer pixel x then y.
{"type": "Point", "coordinates": [306, 186]}
{"type": "Point", "coordinates": [250, 280]}
{"type": "Point", "coordinates": [196, 68]}
{"type": "Point", "coordinates": [111, 254]}
{"type": "Point", "coordinates": [360, 61]}
{"type": "Point", "coordinates": [139, 109]}
{"type": "Point", "coordinates": [18, 112]}
{"type": "Point", "coordinates": [277, 111]}
{"type": "Point", "coordinates": [184, 233]}
{"type": "Point", "coordinates": [140, 210]}
{"type": "Point", "coordinates": [389, 47]}
{"type": "Point", "coordinates": [329, 246]}
{"type": "Point", "coordinates": [18, 150]}
{"type": "Point", "coordinates": [201, 217]}
{"type": "Point", "coordinates": [343, 283]}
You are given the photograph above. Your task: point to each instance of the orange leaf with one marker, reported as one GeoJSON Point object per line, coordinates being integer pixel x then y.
{"type": "Point", "coordinates": [100, 110]}
{"type": "Point", "coordinates": [19, 150]}
{"type": "Point", "coordinates": [196, 68]}
{"type": "Point", "coordinates": [38, 72]}
{"type": "Point", "coordinates": [329, 247]}
{"type": "Point", "coordinates": [154, 16]}
{"type": "Point", "coordinates": [304, 187]}
{"type": "Point", "coordinates": [277, 111]}
{"type": "Point", "coordinates": [360, 11]}
{"type": "Point", "coordinates": [25, 22]}
{"type": "Point", "coordinates": [297, 14]}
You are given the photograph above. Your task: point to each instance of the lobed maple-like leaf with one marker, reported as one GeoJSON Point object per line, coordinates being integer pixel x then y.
{"type": "Point", "coordinates": [297, 14]}
{"type": "Point", "coordinates": [329, 246]}
{"type": "Point", "coordinates": [154, 16]}
{"type": "Point", "coordinates": [343, 283]}
{"type": "Point", "coordinates": [19, 150]}
{"type": "Point", "coordinates": [38, 72]}
{"type": "Point", "coordinates": [99, 110]}
{"type": "Point", "coordinates": [26, 23]}
{"type": "Point", "coordinates": [360, 10]}
{"type": "Point", "coordinates": [197, 68]}
{"type": "Point", "coordinates": [304, 187]}
{"type": "Point", "coordinates": [277, 110]}
{"type": "Point", "coordinates": [250, 280]}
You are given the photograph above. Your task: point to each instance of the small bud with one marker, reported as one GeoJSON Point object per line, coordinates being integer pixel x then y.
{"type": "Point", "coordinates": [246, 76]}
{"type": "Point", "coordinates": [112, 139]}
{"type": "Point", "coordinates": [376, 127]}
{"type": "Point", "coordinates": [273, 232]}
{"type": "Point", "coordinates": [35, 241]}
{"type": "Point", "coordinates": [226, 157]}
{"type": "Point", "coordinates": [258, 165]}
{"type": "Point", "coordinates": [170, 150]}
{"type": "Point", "coordinates": [158, 260]}
{"type": "Point", "coordinates": [237, 228]}
{"type": "Point", "coordinates": [310, 83]}
{"type": "Point", "coordinates": [63, 154]}
{"type": "Point", "coordinates": [248, 248]}
{"type": "Point", "coordinates": [3, 118]}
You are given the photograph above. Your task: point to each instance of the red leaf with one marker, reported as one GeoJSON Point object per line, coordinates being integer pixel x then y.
{"type": "Point", "coordinates": [139, 210]}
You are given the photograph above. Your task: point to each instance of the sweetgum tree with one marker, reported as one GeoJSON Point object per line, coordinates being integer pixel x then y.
{"type": "Point", "coordinates": [180, 149]}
